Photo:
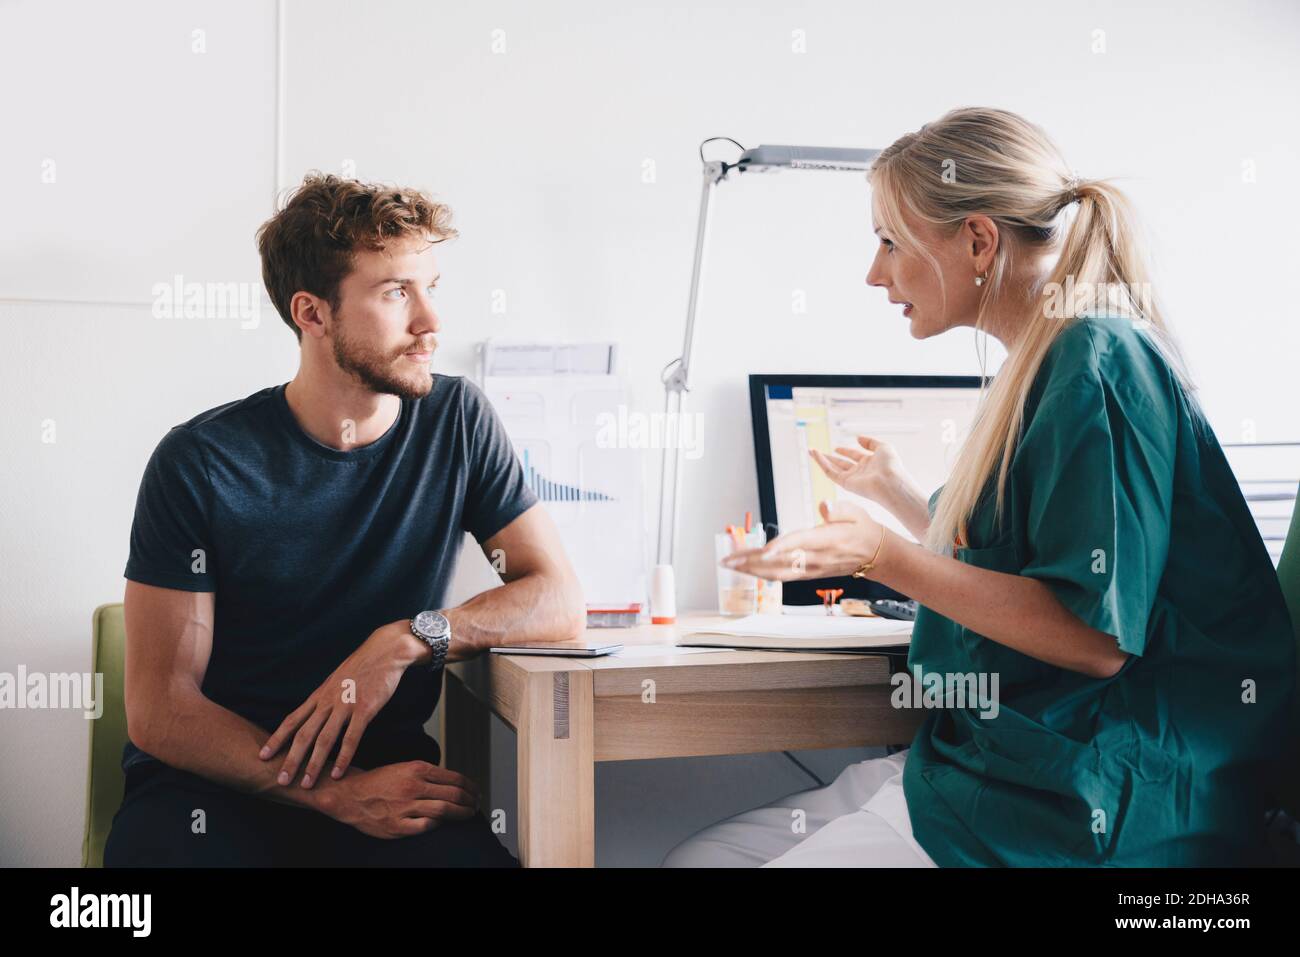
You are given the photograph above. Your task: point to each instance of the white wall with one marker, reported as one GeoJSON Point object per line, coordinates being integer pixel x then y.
{"type": "Point", "coordinates": [166, 159]}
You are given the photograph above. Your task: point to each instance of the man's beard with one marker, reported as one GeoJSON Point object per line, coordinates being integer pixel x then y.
{"type": "Point", "coordinates": [374, 370]}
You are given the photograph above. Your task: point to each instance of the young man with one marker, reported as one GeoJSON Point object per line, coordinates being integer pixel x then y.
{"type": "Point", "coordinates": [289, 560]}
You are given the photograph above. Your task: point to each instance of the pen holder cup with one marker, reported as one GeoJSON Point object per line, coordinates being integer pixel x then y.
{"type": "Point", "coordinates": [740, 594]}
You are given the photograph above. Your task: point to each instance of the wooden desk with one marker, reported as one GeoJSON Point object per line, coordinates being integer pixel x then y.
{"type": "Point", "coordinates": [569, 713]}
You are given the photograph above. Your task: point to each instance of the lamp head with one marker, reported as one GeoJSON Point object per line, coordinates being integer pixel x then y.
{"type": "Point", "coordinates": [768, 158]}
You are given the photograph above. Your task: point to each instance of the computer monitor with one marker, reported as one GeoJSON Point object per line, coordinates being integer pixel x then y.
{"type": "Point", "coordinates": [926, 418]}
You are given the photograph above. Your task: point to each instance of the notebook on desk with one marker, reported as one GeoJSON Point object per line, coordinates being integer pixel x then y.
{"type": "Point", "coordinates": [843, 633]}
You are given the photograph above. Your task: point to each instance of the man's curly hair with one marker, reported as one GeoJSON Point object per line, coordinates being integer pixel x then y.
{"type": "Point", "coordinates": [308, 245]}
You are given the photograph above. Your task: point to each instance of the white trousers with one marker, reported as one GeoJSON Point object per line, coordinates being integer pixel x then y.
{"type": "Point", "coordinates": [858, 820]}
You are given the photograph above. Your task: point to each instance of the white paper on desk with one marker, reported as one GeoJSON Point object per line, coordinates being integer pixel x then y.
{"type": "Point", "coordinates": [860, 630]}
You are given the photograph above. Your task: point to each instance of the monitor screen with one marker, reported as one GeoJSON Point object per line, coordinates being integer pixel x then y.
{"type": "Point", "coordinates": [926, 418]}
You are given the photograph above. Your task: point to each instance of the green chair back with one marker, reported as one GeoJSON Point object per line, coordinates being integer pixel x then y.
{"type": "Point", "coordinates": [104, 778]}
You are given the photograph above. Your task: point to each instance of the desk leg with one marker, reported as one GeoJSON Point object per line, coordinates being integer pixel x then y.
{"type": "Point", "coordinates": [557, 820]}
{"type": "Point", "coordinates": [467, 738]}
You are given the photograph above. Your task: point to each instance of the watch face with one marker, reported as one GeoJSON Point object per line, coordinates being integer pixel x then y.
{"type": "Point", "coordinates": [432, 624]}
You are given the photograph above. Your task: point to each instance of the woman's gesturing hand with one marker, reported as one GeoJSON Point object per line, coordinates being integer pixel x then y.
{"type": "Point", "coordinates": [874, 471]}
{"type": "Point", "coordinates": [849, 538]}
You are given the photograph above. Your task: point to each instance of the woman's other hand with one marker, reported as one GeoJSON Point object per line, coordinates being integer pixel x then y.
{"type": "Point", "coordinates": [874, 471]}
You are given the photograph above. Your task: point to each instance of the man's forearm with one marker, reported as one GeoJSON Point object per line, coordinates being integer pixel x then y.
{"type": "Point", "coordinates": [533, 608]}
{"type": "Point", "coordinates": [197, 735]}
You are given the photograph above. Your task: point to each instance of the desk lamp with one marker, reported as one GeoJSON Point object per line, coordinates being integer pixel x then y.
{"type": "Point", "coordinates": [676, 375]}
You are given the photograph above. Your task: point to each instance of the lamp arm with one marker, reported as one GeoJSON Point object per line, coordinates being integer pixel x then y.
{"type": "Point", "coordinates": [676, 377]}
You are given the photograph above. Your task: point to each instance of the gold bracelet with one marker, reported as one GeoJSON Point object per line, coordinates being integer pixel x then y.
{"type": "Point", "coordinates": [867, 566]}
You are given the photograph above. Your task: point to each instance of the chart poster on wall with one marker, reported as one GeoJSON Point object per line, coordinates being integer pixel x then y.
{"type": "Point", "coordinates": [589, 482]}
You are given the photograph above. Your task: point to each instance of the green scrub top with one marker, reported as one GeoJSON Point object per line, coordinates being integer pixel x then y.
{"type": "Point", "coordinates": [1119, 499]}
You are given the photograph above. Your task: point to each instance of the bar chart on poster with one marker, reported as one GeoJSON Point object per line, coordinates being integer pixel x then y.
{"type": "Point", "coordinates": [557, 413]}
{"type": "Point", "coordinates": [549, 490]}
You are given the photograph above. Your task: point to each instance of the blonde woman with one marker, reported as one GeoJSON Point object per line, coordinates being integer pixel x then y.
{"type": "Point", "coordinates": [1091, 549]}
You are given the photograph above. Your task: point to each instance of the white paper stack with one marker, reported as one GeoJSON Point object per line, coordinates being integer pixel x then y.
{"type": "Point", "coordinates": [804, 633]}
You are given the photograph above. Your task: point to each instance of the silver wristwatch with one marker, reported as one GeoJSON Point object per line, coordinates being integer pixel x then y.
{"type": "Point", "coordinates": [435, 631]}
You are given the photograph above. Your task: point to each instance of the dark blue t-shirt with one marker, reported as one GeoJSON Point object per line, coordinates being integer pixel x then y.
{"type": "Point", "coordinates": [309, 549]}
